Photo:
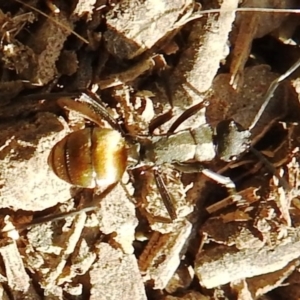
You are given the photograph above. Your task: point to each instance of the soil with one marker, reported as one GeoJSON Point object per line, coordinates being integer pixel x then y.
{"type": "Point", "coordinates": [206, 100]}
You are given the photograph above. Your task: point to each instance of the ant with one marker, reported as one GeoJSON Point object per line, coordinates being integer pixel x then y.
{"type": "Point", "coordinates": [97, 157]}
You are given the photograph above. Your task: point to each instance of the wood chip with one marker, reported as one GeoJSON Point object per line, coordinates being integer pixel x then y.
{"type": "Point", "coordinates": [200, 62]}
{"type": "Point", "coordinates": [47, 44]}
{"type": "Point", "coordinates": [28, 144]}
{"type": "Point", "coordinates": [116, 215]}
{"type": "Point", "coordinates": [218, 265]}
{"type": "Point", "coordinates": [260, 285]}
{"type": "Point", "coordinates": [123, 281]}
{"type": "Point", "coordinates": [251, 26]}
{"type": "Point", "coordinates": [48, 257]}
{"type": "Point", "coordinates": [162, 255]}
{"type": "Point", "coordinates": [18, 280]}
{"type": "Point", "coordinates": [134, 27]}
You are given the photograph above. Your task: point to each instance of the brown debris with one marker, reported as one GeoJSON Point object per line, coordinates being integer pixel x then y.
{"type": "Point", "coordinates": [84, 8]}
{"type": "Point", "coordinates": [181, 279]}
{"type": "Point", "coordinates": [251, 26]}
{"type": "Point", "coordinates": [261, 285]}
{"type": "Point", "coordinates": [189, 295]}
{"type": "Point", "coordinates": [195, 71]}
{"type": "Point", "coordinates": [137, 109]}
{"type": "Point", "coordinates": [128, 75]}
{"type": "Point", "coordinates": [195, 65]}
{"type": "Point", "coordinates": [3, 294]}
{"type": "Point", "coordinates": [10, 89]}
{"type": "Point", "coordinates": [153, 207]}
{"type": "Point", "coordinates": [11, 258]}
{"type": "Point", "coordinates": [33, 140]}
{"type": "Point", "coordinates": [18, 281]}
{"type": "Point", "coordinates": [47, 50]}
{"type": "Point", "coordinates": [147, 237]}
{"type": "Point", "coordinates": [117, 283]}
{"type": "Point", "coordinates": [47, 255]}
{"type": "Point", "coordinates": [217, 266]}
{"type": "Point", "coordinates": [249, 194]}
{"type": "Point", "coordinates": [162, 255]}
{"type": "Point", "coordinates": [116, 215]}
{"type": "Point", "coordinates": [134, 27]}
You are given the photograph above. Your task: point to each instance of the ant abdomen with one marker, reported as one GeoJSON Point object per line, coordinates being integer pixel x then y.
{"type": "Point", "coordinates": [90, 157]}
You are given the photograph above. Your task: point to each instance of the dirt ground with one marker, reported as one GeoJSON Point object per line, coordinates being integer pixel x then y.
{"type": "Point", "coordinates": [206, 100]}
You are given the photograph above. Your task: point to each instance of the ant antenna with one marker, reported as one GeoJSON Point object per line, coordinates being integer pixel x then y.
{"type": "Point", "coordinates": [270, 92]}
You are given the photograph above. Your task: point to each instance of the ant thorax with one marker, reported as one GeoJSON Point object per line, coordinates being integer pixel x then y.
{"type": "Point", "coordinates": [183, 146]}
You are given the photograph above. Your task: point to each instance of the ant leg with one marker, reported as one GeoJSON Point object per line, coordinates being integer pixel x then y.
{"type": "Point", "coordinates": [90, 109]}
{"type": "Point", "coordinates": [187, 114]}
{"type": "Point", "coordinates": [226, 181]}
{"type": "Point", "coordinates": [198, 168]}
{"type": "Point", "coordinates": [162, 195]}
{"type": "Point", "coordinates": [86, 208]}
{"type": "Point", "coordinates": [165, 195]}
{"type": "Point", "coordinates": [56, 217]}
